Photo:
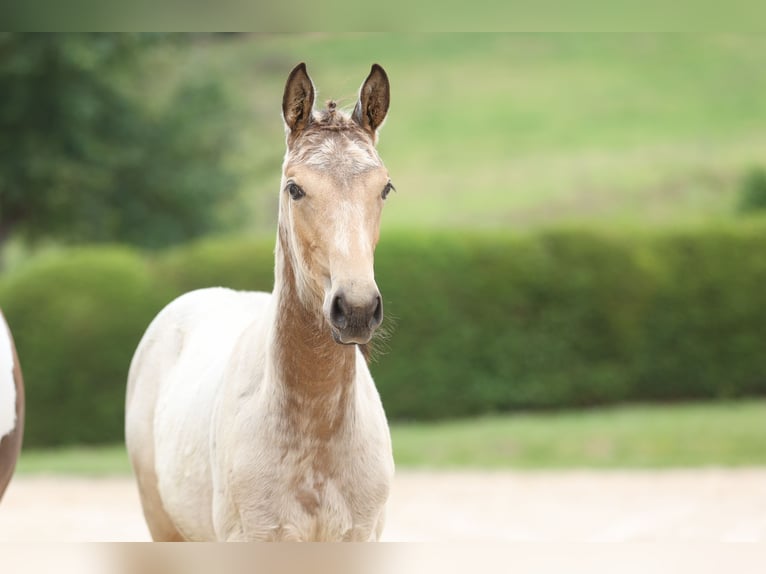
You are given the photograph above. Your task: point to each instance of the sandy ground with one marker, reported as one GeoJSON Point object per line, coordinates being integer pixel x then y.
{"type": "Point", "coordinates": [724, 505]}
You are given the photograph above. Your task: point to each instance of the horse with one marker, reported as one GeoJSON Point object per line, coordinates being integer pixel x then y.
{"type": "Point", "coordinates": [11, 405]}
{"type": "Point", "coordinates": [253, 416]}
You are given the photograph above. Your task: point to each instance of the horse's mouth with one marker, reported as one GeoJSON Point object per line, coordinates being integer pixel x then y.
{"type": "Point", "coordinates": [350, 338]}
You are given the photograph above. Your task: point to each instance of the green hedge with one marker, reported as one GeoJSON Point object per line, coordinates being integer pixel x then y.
{"type": "Point", "coordinates": [77, 317]}
{"type": "Point", "coordinates": [572, 318]}
{"type": "Point", "coordinates": [478, 322]}
{"type": "Point", "coordinates": [229, 262]}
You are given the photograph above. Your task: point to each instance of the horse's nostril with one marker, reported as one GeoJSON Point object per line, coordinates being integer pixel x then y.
{"type": "Point", "coordinates": [377, 314]}
{"type": "Point", "coordinates": [339, 312]}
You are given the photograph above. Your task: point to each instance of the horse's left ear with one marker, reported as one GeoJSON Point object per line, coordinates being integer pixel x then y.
{"type": "Point", "coordinates": [374, 97]}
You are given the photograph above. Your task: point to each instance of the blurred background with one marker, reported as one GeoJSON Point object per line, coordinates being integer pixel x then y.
{"type": "Point", "coordinates": [573, 264]}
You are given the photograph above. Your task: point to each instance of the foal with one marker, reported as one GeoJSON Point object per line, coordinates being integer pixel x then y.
{"type": "Point", "coordinates": [253, 416]}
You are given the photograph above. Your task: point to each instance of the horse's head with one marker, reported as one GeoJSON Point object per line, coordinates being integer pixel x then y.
{"type": "Point", "coordinates": [332, 193]}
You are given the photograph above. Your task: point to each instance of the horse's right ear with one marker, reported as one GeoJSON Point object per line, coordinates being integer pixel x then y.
{"type": "Point", "coordinates": [298, 99]}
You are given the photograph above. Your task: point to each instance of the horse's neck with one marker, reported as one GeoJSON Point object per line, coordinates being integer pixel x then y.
{"type": "Point", "coordinates": [314, 375]}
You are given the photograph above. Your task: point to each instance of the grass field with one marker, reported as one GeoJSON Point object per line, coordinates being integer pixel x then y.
{"type": "Point", "coordinates": [520, 130]}
{"type": "Point", "coordinates": [726, 434]}
{"type": "Point", "coordinates": [722, 434]}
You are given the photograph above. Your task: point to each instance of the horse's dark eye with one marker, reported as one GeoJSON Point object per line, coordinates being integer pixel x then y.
{"type": "Point", "coordinates": [388, 189]}
{"type": "Point", "coordinates": [295, 191]}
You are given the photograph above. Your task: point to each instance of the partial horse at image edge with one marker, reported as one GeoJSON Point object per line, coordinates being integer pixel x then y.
{"type": "Point", "coordinates": [11, 405]}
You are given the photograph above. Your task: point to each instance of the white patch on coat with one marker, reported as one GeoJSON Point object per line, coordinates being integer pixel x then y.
{"type": "Point", "coordinates": [349, 218]}
{"type": "Point", "coordinates": [7, 384]}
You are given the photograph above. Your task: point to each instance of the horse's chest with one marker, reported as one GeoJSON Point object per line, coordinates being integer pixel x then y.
{"type": "Point", "coordinates": [318, 508]}
{"type": "Point", "coordinates": [301, 499]}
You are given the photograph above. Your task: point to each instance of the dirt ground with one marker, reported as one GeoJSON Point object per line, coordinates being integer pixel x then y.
{"type": "Point", "coordinates": [724, 505]}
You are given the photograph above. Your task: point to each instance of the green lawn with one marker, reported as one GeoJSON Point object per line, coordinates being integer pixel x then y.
{"type": "Point", "coordinates": [518, 130]}
{"type": "Point", "coordinates": [87, 460]}
{"type": "Point", "coordinates": [721, 434]}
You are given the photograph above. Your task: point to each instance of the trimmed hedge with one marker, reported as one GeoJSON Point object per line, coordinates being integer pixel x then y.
{"type": "Point", "coordinates": [572, 318]}
{"type": "Point", "coordinates": [76, 318]}
{"type": "Point", "coordinates": [229, 262]}
{"type": "Point", "coordinates": [479, 322]}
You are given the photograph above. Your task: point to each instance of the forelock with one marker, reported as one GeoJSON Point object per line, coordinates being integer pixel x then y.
{"type": "Point", "coordinates": [335, 143]}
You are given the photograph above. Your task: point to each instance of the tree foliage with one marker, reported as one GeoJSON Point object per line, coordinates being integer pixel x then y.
{"type": "Point", "coordinates": [83, 157]}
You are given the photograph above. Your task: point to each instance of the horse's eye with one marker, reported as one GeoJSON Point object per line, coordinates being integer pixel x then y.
{"type": "Point", "coordinates": [388, 189]}
{"type": "Point", "coordinates": [295, 190]}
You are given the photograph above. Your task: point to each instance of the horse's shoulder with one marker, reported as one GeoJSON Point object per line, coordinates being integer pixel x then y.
{"type": "Point", "coordinates": [213, 305]}
{"type": "Point", "coordinates": [218, 298]}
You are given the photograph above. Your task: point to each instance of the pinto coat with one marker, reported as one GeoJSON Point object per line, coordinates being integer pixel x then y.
{"type": "Point", "coordinates": [11, 406]}
{"type": "Point", "coordinates": [253, 416]}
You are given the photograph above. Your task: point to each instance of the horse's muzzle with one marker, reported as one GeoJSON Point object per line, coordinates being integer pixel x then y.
{"type": "Point", "coordinates": [354, 320]}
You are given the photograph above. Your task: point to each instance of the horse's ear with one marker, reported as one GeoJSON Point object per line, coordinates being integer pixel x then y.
{"type": "Point", "coordinates": [298, 99]}
{"type": "Point", "coordinates": [374, 97]}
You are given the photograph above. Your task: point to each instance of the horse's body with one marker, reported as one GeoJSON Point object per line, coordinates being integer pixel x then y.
{"type": "Point", "coordinates": [253, 416]}
{"type": "Point", "coordinates": [11, 406]}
